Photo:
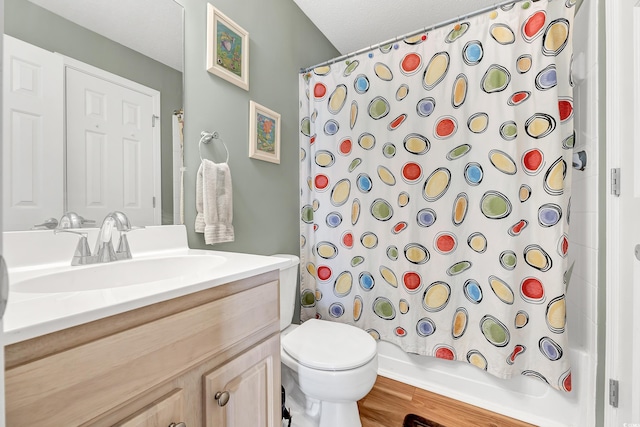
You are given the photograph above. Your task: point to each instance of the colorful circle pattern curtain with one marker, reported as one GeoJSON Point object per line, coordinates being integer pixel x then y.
{"type": "Point", "coordinates": [435, 191]}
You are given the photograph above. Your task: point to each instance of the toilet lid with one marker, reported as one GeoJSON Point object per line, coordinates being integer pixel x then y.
{"type": "Point", "coordinates": [329, 346]}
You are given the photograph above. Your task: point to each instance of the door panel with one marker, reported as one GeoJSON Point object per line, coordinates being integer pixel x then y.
{"type": "Point", "coordinates": [110, 149]}
{"type": "Point", "coordinates": [32, 168]}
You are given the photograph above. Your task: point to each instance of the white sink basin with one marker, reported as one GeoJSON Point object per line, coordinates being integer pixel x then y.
{"type": "Point", "coordinates": [47, 295]}
{"type": "Point", "coordinates": [121, 273]}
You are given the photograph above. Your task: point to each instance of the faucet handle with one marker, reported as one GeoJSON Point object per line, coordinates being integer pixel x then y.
{"type": "Point", "coordinates": [87, 222]}
{"type": "Point", "coordinates": [123, 251]}
{"type": "Point", "coordinates": [64, 230]}
{"type": "Point", "coordinates": [82, 254]}
{"type": "Point", "coordinates": [48, 224]}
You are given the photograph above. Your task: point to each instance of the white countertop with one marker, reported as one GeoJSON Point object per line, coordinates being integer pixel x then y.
{"type": "Point", "coordinates": [38, 253]}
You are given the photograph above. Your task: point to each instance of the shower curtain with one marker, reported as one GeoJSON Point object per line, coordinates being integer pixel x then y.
{"type": "Point", "coordinates": [435, 191]}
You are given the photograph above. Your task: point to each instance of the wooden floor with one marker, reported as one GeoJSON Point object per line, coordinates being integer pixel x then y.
{"type": "Point", "coordinates": [390, 401]}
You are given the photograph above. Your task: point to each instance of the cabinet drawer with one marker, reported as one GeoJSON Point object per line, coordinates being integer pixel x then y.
{"type": "Point", "coordinates": [76, 385]}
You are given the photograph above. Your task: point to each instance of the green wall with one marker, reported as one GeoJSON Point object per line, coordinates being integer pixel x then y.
{"type": "Point", "coordinates": [33, 24]}
{"type": "Point", "coordinates": [265, 195]}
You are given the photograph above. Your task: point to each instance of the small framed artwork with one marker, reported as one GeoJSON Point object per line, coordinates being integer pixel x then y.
{"type": "Point", "coordinates": [227, 48]}
{"type": "Point", "coordinates": [264, 133]}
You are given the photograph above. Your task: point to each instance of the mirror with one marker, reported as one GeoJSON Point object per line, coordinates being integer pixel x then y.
{"type": "Point", "coordinates": [140, 41]}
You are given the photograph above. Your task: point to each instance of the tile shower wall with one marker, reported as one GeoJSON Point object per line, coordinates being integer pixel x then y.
{"type": "Point", "coordinates": [581, 299]}
{"type": "Point", "coordinates": [584, 248]}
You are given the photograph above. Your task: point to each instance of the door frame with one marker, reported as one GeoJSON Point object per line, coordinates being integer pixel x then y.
{"type": "Point", "coordinates": [618, 290]}
{"type": "Point", "coordinates": [70, 63]}
{"type": "Point", "coordinates": [2, 405]}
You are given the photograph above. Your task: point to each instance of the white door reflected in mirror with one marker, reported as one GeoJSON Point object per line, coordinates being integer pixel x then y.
{"type": "Point", "coordinates": [112, 147]}
{"type": "Point", "coordinates": [32, 171]}
{"type": "Point", "coordinates": [140, 41]}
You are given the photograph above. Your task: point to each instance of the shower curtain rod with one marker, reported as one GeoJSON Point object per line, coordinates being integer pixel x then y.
{"type": "Point", "coordinates": [414, 33]}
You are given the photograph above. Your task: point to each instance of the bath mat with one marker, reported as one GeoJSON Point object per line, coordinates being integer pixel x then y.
{"type": "Point", "coordinates": [412, 420]}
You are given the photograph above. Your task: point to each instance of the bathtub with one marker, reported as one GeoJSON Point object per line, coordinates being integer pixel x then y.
{"type": "Point", "coordinates": [526, 399]}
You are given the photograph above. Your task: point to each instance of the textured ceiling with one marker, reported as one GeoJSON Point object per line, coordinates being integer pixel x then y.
{"type": "Point", "coordinates": [351, 25]}
{"type": "Point", "coordinates": [151, 27]}
{"type": "Point", "coordinates": [154, 27]}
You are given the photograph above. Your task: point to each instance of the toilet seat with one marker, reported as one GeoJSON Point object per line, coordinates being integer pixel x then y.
{"type": "Point", "coordinates": [329, 346]}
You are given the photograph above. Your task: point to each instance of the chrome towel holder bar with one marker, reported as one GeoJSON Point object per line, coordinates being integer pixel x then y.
{"type": "Point", "coordinates": [206, 138]}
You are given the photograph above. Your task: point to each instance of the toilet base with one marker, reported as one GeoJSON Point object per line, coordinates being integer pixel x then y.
{"type": "Point", "coordinates": [309, 412]}
{"type": "Point", "coordinates": [296, 402]}
{"type": "Point", "coordinates": [334, 414]}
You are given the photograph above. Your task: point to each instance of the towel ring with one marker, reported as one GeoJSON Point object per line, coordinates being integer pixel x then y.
{"type": "Point", "coordinates": [206, 138]}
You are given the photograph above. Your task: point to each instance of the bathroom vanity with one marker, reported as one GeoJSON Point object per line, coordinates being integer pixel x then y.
{"type": "Point", "coordinates": [194, 350]}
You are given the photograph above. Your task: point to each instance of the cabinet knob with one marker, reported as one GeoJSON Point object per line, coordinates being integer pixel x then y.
{"type": "Point", "coordinates": [180, 424]}
{"type": "Point", "coordinates": [222, 397]}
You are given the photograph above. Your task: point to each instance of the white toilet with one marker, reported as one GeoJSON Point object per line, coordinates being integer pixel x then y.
{"type": "Point", "coordinates": [334, 365]}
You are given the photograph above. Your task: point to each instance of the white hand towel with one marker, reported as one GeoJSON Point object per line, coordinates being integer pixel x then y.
{"type": "Point", "coordinates": [199, 203]}
{"type": "Point", "coordinates": [214, 205]}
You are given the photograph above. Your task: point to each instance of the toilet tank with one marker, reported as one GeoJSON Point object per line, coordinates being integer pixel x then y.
{"type": "Point", "coordinates": [288, 287]}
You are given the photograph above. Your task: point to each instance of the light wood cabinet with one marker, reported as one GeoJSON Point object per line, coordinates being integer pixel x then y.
{"type": "Point", "coordinates": [156, 364]}
{"type": "Point", "coordinates": [163, 412]}
{"type": "Point", "coordinates": [243, 392]}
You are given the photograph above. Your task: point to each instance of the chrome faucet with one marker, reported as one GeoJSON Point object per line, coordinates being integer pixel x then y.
{"type": "Point", "coordinates": [68, 220]}
{"type": "Point", "coordinates": [103, 251]}
{"type": "Point", "coordinates": [73, 220]}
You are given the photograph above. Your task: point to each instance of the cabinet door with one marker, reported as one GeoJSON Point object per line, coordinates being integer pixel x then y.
{"type": "Point", "coordinates": [247, 389]}
{"type": "Point", "coordinates": [161, 413]}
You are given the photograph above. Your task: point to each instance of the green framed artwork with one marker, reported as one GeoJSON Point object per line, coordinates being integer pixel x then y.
{"type": "Point", "coordinates": [227, 48]}
{"type": "Point", "coordinates": [264, 133]}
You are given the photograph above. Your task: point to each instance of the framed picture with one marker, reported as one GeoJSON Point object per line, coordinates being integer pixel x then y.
{"type": "Point", "coordinates": [227, 48]}
{"type": "Point", "coordinates": [264, 133]}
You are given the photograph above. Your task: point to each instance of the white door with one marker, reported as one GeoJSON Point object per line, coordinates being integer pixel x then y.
{"type": "Point", "coordinates": [112, 147]}
{"type": "Point", "coordinates": [4, 279]}
{"type": "Point", "coordinates": [32, 135]}
{"type": "Point", "coordinates": [623, 213]}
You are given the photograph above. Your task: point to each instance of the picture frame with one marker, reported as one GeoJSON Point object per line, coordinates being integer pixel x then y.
{"type": "Point", "coordinates": [264, 133]}
{"type": "Point", "coordinates": [227, 48]}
